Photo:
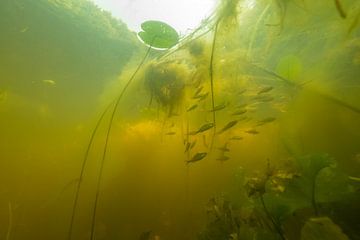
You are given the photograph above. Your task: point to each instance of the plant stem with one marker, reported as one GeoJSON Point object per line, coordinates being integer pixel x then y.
{"type": "Point", "coordinates": [211, 73]}
{"type": "Point", "coordinates": [268, 214]}
{"type": "Point", "coordinates": [82, 172]}
{"type": "Point", "coordinates": [313, 197]}
{"type": "Point", "coordinates": [8, 234]}
{"type": "Point", "coordinates": [93, 222]}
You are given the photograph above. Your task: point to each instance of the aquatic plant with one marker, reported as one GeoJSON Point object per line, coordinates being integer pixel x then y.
{"type": "Point", "coordinates": [223, 224]}
{"type": "Point", "coordinates": [286, 209]}
{"type": "Point", "coordinates": [156, 34]}
{"type": "Point", "coordinates": [256, 187]}
{"type": "Point", "coordinates": [322, 228]}
{"type": "Point", "coordinates": [165, 82]}
{"type": "Point", "coordinates": [310, 168]}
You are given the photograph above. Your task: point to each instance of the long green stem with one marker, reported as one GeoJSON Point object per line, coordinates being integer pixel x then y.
{"type": "Point", "coordinates": [211, 73]}
{"type": "Point", "coordinates": [8, 234]}
{"type": "Point", "coordinates": [268, 214]}
{"type": "Point", "coordinates": [84, 163]}
{"type": "Point", "coordinates": [313, 196]}
{"type": "Point", "coordinates": [93, 222]}
{"type": "Point", "coordinates": [253, 35]}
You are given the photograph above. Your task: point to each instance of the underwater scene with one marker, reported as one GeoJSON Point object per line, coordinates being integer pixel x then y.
{"type": "Point", "coordinates": [245, 127]}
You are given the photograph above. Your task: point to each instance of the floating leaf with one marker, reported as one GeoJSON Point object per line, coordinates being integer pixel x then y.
{"type": "Point", "coordinates": [158, 34]}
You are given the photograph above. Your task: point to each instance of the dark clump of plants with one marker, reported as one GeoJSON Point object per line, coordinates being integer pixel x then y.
{"type": "Point", "coordinates": [307, 199]}
{"type": "Point", "coordinates": [165, 83]}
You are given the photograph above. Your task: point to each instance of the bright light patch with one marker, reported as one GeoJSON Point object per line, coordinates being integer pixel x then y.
{"type": "Point", "coordinates": [183, 15]}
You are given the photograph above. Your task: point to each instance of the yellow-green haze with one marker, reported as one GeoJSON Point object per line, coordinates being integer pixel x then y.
{"type": "Point", "coordinates": [286, 88]}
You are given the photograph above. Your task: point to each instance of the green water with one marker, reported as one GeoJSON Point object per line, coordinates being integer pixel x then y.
{"type": "Point", "coordinates": [249, 128]}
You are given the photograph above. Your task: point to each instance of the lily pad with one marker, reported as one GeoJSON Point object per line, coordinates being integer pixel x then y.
{"type": "Point", "coordinates": [158, 34]}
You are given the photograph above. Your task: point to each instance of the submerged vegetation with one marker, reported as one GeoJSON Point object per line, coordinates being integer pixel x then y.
{"type": "Point", "coordinates": [256, 112]}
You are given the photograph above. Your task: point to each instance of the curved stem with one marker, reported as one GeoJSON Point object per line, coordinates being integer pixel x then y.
{"type": "Point", "coordinates": [276, 226]}
{"type": "Point", "coordinates": [253, 35]}
{"type": "Point", "coordinates": [8, 233]}
{"type": "Point", "coordinates": [211, 73]}
{"type": "Point", "coordinates": [82, 172]}
{"type": "Point", "coordinates": [107, 141]}
{"type": "Point", "coordinates": [313, 197]}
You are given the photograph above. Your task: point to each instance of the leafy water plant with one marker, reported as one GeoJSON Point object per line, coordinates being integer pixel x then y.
{"type": "Point", "coordinates": [224, 223]}
{"type": "Point", "coordinates": [155, 34]}
{"type": "Point", "coordinates": [283, 203]}
{"type": "Point", "coordinates": [305, 186]}
{"type": "Point", "coordinates": [158, 34]}
{"type": "Point", "coordinates": [165, 82]}
{"type": "Point", "coordinates": [256, 187]}
{"type": "Point", "coordinates": [227, 15]}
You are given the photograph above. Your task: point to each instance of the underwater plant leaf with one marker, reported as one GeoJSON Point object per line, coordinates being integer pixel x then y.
{"type": "Point", "coordinates": [280, 208]}
{"type": "Point", "coordinates": [158, 34]}
{"type": "Point", "coordinates": [322, 229]}
{"type": "Point", "coordinates": [309, 168]}
{"type": "Point", "coordinates": [303, 191]}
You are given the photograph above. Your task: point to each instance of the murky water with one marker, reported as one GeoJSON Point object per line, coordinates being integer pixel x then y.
{"type": "Point", "coordinates": [246, 129]}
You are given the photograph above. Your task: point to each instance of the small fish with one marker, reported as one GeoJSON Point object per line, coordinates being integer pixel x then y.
{"type": "Point", "coordinates": [236, 138]}
{"type": "Point", "coordinates": [197, 157]}
{"type": "Point", "coordinates": [224, 148]}
{"type": "Point", "coordinates": [49, 82]}
{"type": "Point", "coordinates": [205, 127]}
{"type": "Point", "coordinates": [24, 29]}
{"type": "Point", "coordinates": [357, 179]}
{"type": "Point", "coordinates": [252, 131]}
{"type": "Point", "coordinates": [218, 107]}
{"type": "Point", "coordinates": [239, 112]}
{"type": "Point", "coordinates": [265, 120]}
{"type": "Point", "coordinates": [198, 90]}
{"type": "Point", "coordinates": [228, 126]}
{"type": "Point", "coordinates": [187, 147]}
{"type": "Point", "coordinates": [196, 96]}
{"type": "Point", "coordinates": [203, 96]}
{"type": "Point", "coordinates": [242, 105]}
{"type": "Point", "coordinates": [243, 118]}
{"type": "Point", "coordinates": [190, 146]}
{"type": "Point", "coordinates": [265, 90]}
{"type": "Point", "coordinates": [192, 107]}
{"type": "Point", "coordinates": [241, 91]}
{"type": "Point", "coordinates": [223, 158]}
{"type": "Point", "coordinates": [264, 98]}
{"type": "Point", "coordinates": [170, 133]}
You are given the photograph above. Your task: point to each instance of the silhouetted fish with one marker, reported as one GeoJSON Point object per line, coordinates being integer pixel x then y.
{"type": "Point", "coordinates": [228, 126]}
{"type": "Point", "coordinates": [265, 90]}
{"type": "Point", "coordinates": [192, 107]}
{"type": "Point", "coordinates": [197, 157]}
